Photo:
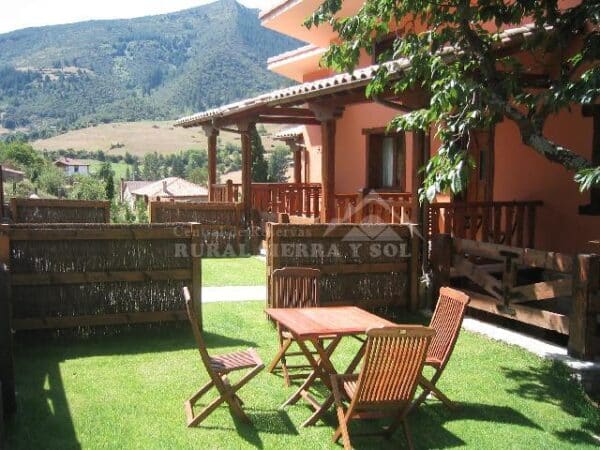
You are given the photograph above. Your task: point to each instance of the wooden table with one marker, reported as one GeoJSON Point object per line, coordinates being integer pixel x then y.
{"type": "Point", "coordinates": [311, 325]}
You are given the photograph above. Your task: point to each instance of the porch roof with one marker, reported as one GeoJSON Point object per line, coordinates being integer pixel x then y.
{"type": "Point", "coordinates": [301, 93]}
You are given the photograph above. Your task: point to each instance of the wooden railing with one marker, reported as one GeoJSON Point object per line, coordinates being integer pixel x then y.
{"type": "Point", "coordinates": [553, 291]}
{"type": "Point", "coordinates": [507, 223]}
{"type": "Point", "coordinates": [301, 199]}
{"type": "Point", "coordinates": [227, 193]}
{"type": "Point", "coordinates": [374, 207]}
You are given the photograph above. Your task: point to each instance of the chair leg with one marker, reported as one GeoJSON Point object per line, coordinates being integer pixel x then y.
{"type": "Point", "coordinates": [429, 387]}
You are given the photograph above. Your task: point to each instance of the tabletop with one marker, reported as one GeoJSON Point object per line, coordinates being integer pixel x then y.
{"type": "Point", "coordinates": [339, 320]}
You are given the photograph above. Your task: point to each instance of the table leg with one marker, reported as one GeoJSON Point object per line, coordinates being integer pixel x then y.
{"type": "Point", "coordinates": [317, 371]}
{"type": "Point", "coordinates": [329, 400]}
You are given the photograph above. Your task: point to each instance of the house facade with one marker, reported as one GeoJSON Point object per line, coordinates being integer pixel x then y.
{"type": "Point", "coordinates": [515, 195]}
{"type": "Point", "coordinates": [73, 166]}
{"type": "Point", "coordinates": [167, 189]}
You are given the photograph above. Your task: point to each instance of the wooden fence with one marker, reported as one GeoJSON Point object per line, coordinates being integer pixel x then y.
{"type": "Point", "coordinates": [367, 265]}
{"type": "Point", "coordinates": [553, 291]}
{"type": "Point", "coordinates": [374, 207]}
{"type": "Point", "coordinates": [507, 223]}
{"type": "Point", "coordinates": [26, 210]}
{"type": "Point", "coordinates": [203, 213]}
{"type": "Point", "coordinates": [223, 233]}
{"type": "Point", "coordinates": [8, 400]}
{"type": "Point", "coordinates": [76, 275]}
{"type": "Point", "coordinates": [300, 199]}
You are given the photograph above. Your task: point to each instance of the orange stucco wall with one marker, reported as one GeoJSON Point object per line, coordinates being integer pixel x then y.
{"type": "Point", "coordinates": [523, 174]}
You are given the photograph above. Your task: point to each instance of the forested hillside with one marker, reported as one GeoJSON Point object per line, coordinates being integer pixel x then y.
{"type": "Point", "coordinates": [159, 67]}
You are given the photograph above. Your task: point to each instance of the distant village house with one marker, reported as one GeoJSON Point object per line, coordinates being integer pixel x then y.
{"type": "Point", "coordinates": [167, 189]}
{"type": "Point", "coordinates": [73, 166]}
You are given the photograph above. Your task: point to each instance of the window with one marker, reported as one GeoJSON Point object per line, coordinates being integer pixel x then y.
{"type": "Point", "coordinates": [386, 161]}
{"type": "Point", "coordinates": [384, 46]}
{"type": "Point", "coordinates": [76, 169]}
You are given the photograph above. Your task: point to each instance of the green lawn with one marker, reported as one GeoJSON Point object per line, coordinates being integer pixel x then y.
{"type": "Point", "coordinates": [119, 168]}
{"type": "Point", "coordinates": [233, 272]}
{"type": "Point", "coordinates": [127, 391]}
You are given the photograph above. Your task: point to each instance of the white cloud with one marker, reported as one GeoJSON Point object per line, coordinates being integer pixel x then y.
{"type": "Point", "coordinates": [33, 13]}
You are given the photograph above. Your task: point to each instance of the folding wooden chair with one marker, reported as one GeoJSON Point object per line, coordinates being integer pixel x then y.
{"type": "Point", "coordinates": [218, 367]}
{"type": "Point", "coordinates": [392, 365]}
{"type": "Point", "coordinates": [292, 287]}
{"type": "Point", "coordinates": [447, 320]}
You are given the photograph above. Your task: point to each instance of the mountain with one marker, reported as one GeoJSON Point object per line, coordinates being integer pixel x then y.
{"type": "Point", "coordinates": [62, 77]}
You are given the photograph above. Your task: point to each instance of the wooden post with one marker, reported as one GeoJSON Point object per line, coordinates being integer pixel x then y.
{"type": "Point", "coordinates": [7, 369]}
{"type": "Point", "coordinates": [420, 143]}
{"type": "Point", "coordinates": [327, 115]}
{"type": "Point", "coordinates": [196, 245]}
{"type": "Point", "coordinates": [442, 252]}
{"type": "Point", "coordinates": [297, 161]}
{"type": "Point", "coordinates": [584, 341]}
{"type": "Point", "coordinates": [229, 191]}
{"type": "Point", "coordinates": [212, 134]}
{"type": "Point", "coordinates": [2, 212]}
{"type": "Point", "coordinates": [415, 259]}
{"type": "Point", "coordinates": [244, 128]}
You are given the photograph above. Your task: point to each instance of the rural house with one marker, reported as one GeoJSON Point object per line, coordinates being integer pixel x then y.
{"type": "Point", "coordinates": [167, 189]}
{"type": "Point", "coordinates": [344, 153]}
{"type": "Point", "coordinates": [73, 166]}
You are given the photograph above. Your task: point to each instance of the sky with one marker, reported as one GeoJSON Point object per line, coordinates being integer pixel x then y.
{"type": "Point", "coordinates": [32, 13]}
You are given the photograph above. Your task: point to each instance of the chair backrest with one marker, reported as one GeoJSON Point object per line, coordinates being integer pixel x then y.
{"type": "Point", "coordinates": [193, 317]}
{"type": "Point", "coordinates": [295, 287]}
{"type": "Point", "coordinates": [446, 321]}
{"type": "Point", "coordinates": [392, 364]}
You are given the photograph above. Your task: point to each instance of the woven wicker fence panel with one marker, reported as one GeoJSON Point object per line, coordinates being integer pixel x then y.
{"type": "Point", "coordinates": [367, 265]}
{"type": "Point", "coordinates": [96, 299]}
{"type": "Point", "coordinates": [203, 213]}
{"type": "Point", "coordinates": [71, 275]}
{"type": "Point", "coordinates": [59, 211]}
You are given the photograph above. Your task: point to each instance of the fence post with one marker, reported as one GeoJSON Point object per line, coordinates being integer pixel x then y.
{"type": "Point", "coordinates": [415, 259]}
{"type": "Point", "coordinates": [229, 191]}
{"type": "Point", "coordinates": [442, 252]}
{"type": "Point", "coordinates": [195, 254]}
{"type": "Point", "coordinates": [7, 369]}
{"type": "Point", "coordinates": [584, 341]}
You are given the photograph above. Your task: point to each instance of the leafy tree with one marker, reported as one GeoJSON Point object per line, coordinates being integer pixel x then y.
{"type": "Point", "coordinates": [137, 174]}
{"type": "Point", "coordinates": [105, 171]}
{"type": "Point", "coordinates": [199, 175]}
{"type": "Point", "coordinates": [141, 211]}
{"type": "Point", "coordinates": [475, 86]}
{"type": "Point", "coordinates": [23, 189]}
{"type": "Point", "coordinates": [152, 168]}
{"type": "Point", "coordinates": [279, 161]}
{"type": "Point", "coordinates": [178, 166]}
{"type": "Point", "coordinates": [88, 188]}
{"type": "Point", "coordinates": [23, 156]}
{"type": "Point", "coordinates": [128, 173]}
{"type": "Point", "coordinates": [110, 186]}
{"type": "Point", "coordinates": [259, 164]}
{"type": "Point", "coordinates": [52, 180]}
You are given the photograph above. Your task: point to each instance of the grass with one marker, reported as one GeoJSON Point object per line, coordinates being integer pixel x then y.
{"type": "Point", "coordinates": [139, 138]}
{"type": "Point", "coordinates": [127, 391]}
{"type": "Point", "coordinates": [233, 272]}
{"type": "Point", "coordinates": [120, 168]}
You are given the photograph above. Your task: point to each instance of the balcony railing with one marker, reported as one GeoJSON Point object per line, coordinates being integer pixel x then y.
{"type": "Point", "coordinates": [374, 207]}
{"type": "Point", "coordinates": [301, 199]}
{"type": "Point", "coordinates": [508, 223]}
